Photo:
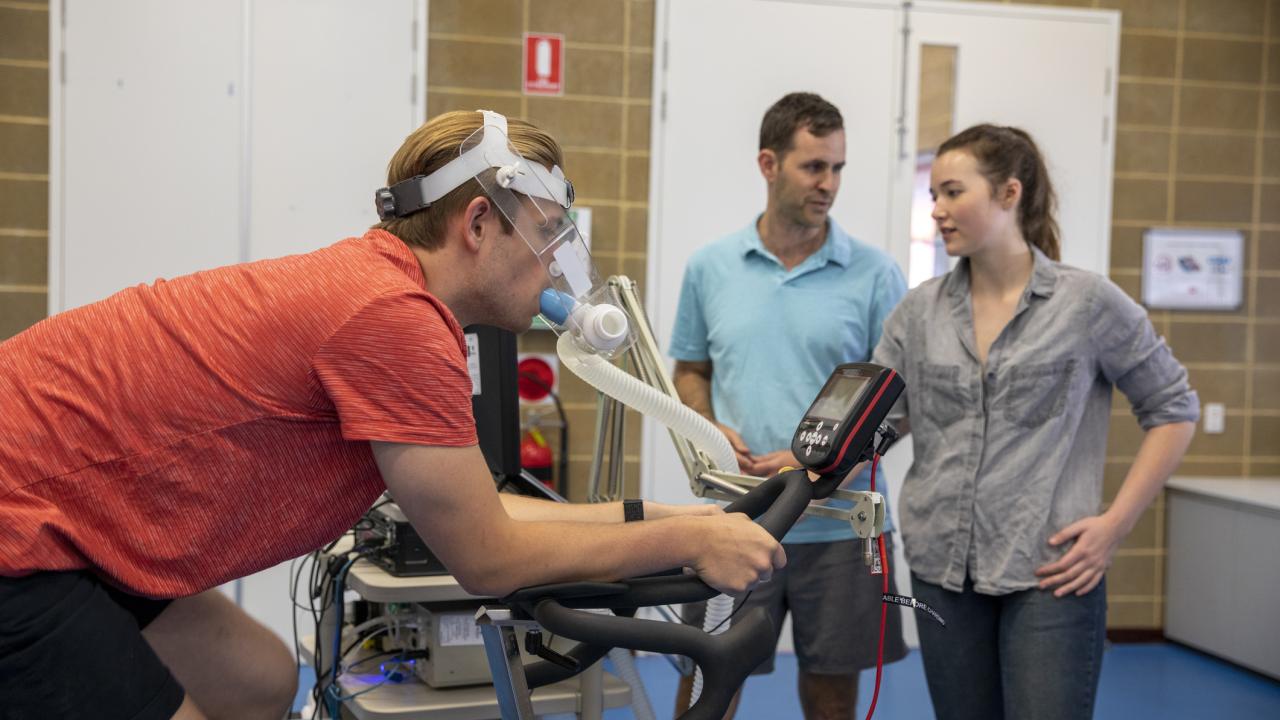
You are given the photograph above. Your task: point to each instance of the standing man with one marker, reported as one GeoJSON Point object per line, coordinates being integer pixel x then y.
{"type": "Point", "coordinates": [765, 314]}
{"type": "Point", "coordinates": [178, 435]}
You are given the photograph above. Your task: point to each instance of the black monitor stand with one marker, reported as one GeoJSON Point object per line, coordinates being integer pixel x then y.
{"type": "Point", "coordinates": [491, 358]}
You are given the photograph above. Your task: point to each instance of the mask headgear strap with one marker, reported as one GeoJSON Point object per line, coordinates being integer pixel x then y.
{"type": "Point", "coordinates": [493, 151]}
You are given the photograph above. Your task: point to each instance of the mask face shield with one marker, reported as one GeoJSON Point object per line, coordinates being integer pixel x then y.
{"type": "Point", "coordinates": [535, 201]}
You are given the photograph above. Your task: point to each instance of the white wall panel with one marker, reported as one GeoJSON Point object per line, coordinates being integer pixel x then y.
{"type": "Point", "coordinates": [148, 168]}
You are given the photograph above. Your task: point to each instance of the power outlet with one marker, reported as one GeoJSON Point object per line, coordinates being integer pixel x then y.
{"type": "Point", "coordinates": [1215, 418]}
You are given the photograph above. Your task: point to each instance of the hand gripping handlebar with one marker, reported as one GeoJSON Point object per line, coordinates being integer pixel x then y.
{"type": "Point", "coordinates": [726, 659]}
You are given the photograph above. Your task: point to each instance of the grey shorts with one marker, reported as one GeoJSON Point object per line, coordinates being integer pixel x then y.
{"type": "Point", "coordinates": [834, 603]}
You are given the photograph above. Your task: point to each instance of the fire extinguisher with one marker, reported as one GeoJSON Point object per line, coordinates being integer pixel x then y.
{"type": "Point", "coordinates": [536, 379]}
{"type": "Point", "coordinates": [535, 456]}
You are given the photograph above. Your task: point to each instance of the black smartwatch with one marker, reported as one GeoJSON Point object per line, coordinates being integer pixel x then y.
{"type": "Point", "coordinates": [632, 510]}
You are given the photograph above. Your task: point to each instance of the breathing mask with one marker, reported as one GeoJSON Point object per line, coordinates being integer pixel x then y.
{"type": "Point", "coordinates": [535, 201]}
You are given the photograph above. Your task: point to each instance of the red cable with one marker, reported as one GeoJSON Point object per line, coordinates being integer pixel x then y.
{"type": "Point", "coordinates": [884, 607]}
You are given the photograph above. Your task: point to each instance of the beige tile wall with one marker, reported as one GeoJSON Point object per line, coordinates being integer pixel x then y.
{"type": "Point", "coordinates": [602, 119]}
{"type": "Point", "coordinates": [1198, 145]}
{"type": "Point", "coordinates": [24, 163]}
{"type": "Point", "coordinates": [1198, 106]}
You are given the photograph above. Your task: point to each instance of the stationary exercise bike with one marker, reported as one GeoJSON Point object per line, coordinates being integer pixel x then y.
{"type": "Point", "coordinates": [843, 427]}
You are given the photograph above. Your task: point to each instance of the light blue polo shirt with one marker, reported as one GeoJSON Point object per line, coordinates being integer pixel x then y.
{"type": "Point", "coordinates": [774, 335]}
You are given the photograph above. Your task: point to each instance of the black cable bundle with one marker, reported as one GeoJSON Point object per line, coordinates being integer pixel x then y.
{"type": "Point", "coordinates": [326, 575]}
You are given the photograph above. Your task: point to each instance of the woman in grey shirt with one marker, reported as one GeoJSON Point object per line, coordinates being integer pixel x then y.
{"type": "Point", "coordinates": [1009, 361]}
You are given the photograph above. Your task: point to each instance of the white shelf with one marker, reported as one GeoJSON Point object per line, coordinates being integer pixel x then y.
{"type": "Point", "coordinates": [377, 585]}
{"type": "Point", "coordinates": [415, 699]}
{"type": "Point", "coordinates": [1261, 493]}
{"type": "Point", "coordinates": [401, 701]}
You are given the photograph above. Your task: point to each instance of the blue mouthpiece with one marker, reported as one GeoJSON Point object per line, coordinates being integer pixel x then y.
{"type": "Point", "coordinates": [556, 305]}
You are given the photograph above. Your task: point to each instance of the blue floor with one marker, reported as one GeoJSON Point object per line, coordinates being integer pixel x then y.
{"type": "Point", "coordinates": [1163, 681]}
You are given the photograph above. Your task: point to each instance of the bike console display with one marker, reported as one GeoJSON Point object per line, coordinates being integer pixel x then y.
{"type": "Point", "coordinates": [839, 429]}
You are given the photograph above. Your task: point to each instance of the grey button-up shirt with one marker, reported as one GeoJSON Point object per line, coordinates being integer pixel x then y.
{"type": "Point", "coordinates": [1008, 454]}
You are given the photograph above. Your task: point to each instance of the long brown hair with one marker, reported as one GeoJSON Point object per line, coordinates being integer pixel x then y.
{"type": "Point", "coordinates": [1009, 152]}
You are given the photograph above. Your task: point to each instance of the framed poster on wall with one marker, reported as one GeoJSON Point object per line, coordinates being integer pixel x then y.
{"type": "Point", "coordinates": [1192, 269]}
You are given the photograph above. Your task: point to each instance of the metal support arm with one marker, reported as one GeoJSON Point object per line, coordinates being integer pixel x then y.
{"type": "Point", "coordinates": [704, 479]}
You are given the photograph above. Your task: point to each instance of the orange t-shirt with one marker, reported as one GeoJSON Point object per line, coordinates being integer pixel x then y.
{"type": "Point", "coordinates": [182, 434]}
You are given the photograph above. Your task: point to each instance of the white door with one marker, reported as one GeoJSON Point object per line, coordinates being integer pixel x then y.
{"type": "Point", "coordinates": [719, 65]}
{"type": "Point", "coordinates": [188, 134]}
{"type": "Point", "coordinates": [1050, 71]}
{"type": "Point", "coordinates": [145, 137]}
{"type": "Point", "coordinates": [336, 87]}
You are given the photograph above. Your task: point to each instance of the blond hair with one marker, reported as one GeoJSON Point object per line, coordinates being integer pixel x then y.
{"type": "Point", "coordinates": [437, 142]}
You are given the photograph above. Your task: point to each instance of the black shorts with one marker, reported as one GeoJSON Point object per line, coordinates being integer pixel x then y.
{"type": "Point", "coordinates": [72, 647]}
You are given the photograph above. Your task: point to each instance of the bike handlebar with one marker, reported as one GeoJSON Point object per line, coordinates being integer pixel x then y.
{"type": "Point", "coordinates": [726, 659]}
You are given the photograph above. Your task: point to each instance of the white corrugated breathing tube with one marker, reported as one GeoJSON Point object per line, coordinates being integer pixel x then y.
{"type": "Point", "coordinates": [601, 374]}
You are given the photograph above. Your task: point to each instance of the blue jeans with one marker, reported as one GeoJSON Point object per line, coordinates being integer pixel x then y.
{"type": "Point", "coordinates": [1023, 656]}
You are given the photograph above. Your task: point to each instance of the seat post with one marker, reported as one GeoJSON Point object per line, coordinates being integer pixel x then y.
{"type": "Point", "coordinates": [497, 627]}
